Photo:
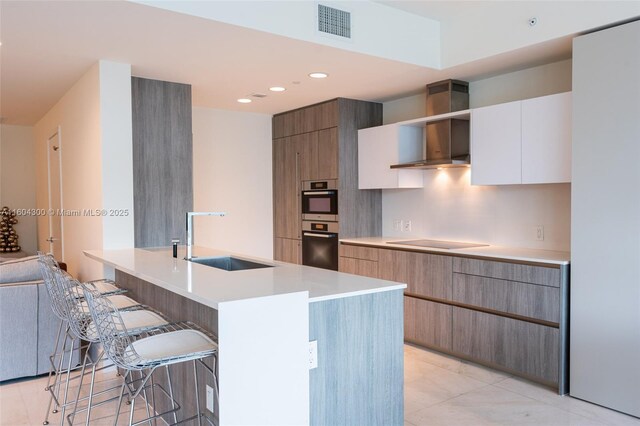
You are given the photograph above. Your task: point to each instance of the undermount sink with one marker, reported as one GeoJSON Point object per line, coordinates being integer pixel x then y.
{"type": "Point", "coordinates": [229, 263]}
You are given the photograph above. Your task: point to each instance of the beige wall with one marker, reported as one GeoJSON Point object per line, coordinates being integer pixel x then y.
{"type": "Point", "coordinates": [448, 207]}
{"type": "Point", "coordinates": [232, 173]}
{"type": "Point", "coordinates": [94, 153]}
{"type": "Point", "coordinates": [18, 180]}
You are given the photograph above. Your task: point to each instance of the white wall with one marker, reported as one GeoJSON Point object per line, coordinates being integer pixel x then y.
{"type": "Point", "coordinates": [487, 28]}
{"type": "Point", "coordinates": [376, 29]}
{"type": "Point", "coordinates": [448, 207]}
{"type": "Point", "coordinates": [232, 173]}
{"type": "Point", "coordinates": [18, 180]}
{"type": "Point", "coordinates": [96, 164]}
{"type": "Point", "coordinates": [117, 154]}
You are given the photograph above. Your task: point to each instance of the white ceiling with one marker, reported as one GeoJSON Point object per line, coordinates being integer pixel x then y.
{"type": "Point", "coordinates": [47, 46]}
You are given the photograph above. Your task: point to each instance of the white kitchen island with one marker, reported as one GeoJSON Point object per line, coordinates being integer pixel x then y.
{"type": "Point", "coordinates": [264, 319]}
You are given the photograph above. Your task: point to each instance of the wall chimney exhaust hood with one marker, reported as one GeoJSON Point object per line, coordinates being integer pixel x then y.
{"type": "Point", "coordinates": [446, 133]}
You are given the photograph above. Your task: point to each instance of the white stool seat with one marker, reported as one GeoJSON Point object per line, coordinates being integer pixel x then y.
{"type": "Point", "coordinates": [174, 344]}
{"type": "Point", "coordinates": [133, 320]}
{"type": "Point", "coordinates": [105, 287]}
{"type": "Point", "coordinates": [118, 300]}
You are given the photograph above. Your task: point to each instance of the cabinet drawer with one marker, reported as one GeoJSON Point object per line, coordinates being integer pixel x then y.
{"type": "Point", "coordinates": [427, 275]}
{"type": "Point", "coordinates": [508, 271]}
{"type": "Point", "coordinates": [534, 301]}
{"type": "Point", "coordinates": [366, 268]}
{"type": "Point", "coordinates": [520, 346]}
{"type": "Point", "coordinates": [359, 252]}
{"type": "Point", "coordinates": [427, 323]}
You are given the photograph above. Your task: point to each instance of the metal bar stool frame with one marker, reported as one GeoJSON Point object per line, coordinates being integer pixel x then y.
{"type": "Point", "coordinates": [82, 325]}
{"type": "Point", "coordinates": [50, 272]}
{"type": "Point", "coordinates": [119, 347]}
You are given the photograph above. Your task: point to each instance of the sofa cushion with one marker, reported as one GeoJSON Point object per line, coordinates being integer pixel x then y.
{"type": "Point", "coordinates": [17, 270]}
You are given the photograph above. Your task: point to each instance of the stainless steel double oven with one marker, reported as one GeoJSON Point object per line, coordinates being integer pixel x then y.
{"type": "Point", "coordinates": [320, 224]}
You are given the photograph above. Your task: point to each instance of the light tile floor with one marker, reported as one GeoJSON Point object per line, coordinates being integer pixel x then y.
{"type": "Point", "coordinates": [442, 390]}
{"type": "Point", "coordinates": [439, 390]}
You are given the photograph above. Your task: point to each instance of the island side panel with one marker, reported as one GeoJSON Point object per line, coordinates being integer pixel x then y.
{"type": "Point", "coordinates": [360, 374]}
{"type": "Point", "coordinates": [264, 360]}
{"type": "Point", "coordinates": [175, 308]}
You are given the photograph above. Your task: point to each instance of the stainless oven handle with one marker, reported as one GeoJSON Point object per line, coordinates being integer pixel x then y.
{"type": "Point", "coordinates": [318, 192]}
{"type": "Point", "coordinates": [309, 234]}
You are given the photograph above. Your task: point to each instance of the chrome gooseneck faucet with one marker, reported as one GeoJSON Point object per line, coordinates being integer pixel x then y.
{"type": "Point", "coordinates": [190, 216]}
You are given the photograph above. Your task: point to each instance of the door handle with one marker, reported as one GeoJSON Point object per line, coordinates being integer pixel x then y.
{"type": "Point", "coordinates": [309, 234]}
{"type": "Point", "coordinates": [51, 239]}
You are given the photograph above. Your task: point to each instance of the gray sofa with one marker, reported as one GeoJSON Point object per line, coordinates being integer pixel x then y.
{"type": "Point", "coordinates": [28, 326]}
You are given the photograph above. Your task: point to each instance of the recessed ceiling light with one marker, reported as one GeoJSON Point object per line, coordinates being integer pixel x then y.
{"type": "Point", "coordinates": [318, 75]}
{"type": "Point", "coordinates": [244, 101]}
{"type": "Point", "coordinates": [277, 89]}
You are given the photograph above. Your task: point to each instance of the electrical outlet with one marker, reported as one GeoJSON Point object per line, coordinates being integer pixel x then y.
{"type": "Point", "coordinates": [397, 225]}
{"type": "Point", "coordinates": [313, 355]}
{"type": "Point", "coordinates": [539, 233]}
{"type": "Point", "coordinates": [209, 398]}
{"type": "Point", "coordinates": [406, 226]}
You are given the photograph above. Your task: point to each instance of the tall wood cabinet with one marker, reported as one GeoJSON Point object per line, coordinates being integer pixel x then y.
{"type": "Point", "coordinates": [320, 142]}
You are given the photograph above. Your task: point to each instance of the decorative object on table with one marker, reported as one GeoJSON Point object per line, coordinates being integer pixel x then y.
{"type": "Point", "coordinates": [8, 235]}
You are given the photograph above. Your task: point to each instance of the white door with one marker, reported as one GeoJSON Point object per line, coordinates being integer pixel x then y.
{"type": "Point", "coordinates": [54, 162]}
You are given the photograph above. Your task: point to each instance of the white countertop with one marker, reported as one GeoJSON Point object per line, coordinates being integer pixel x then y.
{"type": "Point", "coordinates": [490, 252]}
{"type": "Point", "coordinates": [211, 286]}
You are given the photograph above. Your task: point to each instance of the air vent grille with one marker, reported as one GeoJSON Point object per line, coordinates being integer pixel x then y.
{"type": "Point", "coordinates": [334, 21]}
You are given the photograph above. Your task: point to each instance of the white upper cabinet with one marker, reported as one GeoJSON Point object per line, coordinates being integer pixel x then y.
{"type": "Point", "coordinates": [522, 142]}
{"type": "Point", "coordinates": [546, 139]}
{"type": "Point", "coordinates": [495, 144]}
{"type": "Point", "coordinates": [380, 147]}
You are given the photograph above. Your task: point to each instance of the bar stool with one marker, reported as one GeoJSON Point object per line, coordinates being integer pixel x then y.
{"type": "Point", "coordinates": [137, 319]}
{"type": "Point", "coordinates": [49, 268]}
{"type": "Point", "coordinates": [161, 347]}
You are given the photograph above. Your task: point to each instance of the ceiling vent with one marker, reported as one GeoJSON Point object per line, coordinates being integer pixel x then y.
{"type": "Point", "coordinates": [334, 21]}
{"type": "Point", "coordinates": [258, 95]}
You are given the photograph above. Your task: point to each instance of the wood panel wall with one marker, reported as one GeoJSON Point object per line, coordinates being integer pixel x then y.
{"type": "Point", "coordinates": [162, 160]}
{"type": "Point", "coordinates": [360, 374]}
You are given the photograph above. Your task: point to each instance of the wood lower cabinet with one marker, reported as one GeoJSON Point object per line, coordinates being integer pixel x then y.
{"type": "Point", "coordinates": [359, 261]}
{"type": "Point", "coordinates": [508, 271]}
{"type": "Point", "coordinates": [519, 346]}
{"type": "Point", "coordinates": [507, 315]}
{"type": "Point", "coordinates": [427, 323]}
{"type": "Point", "coordinates": [287, 250]}
{"type": "Point", "coordinates": [366, 268]}
{"type": "Point", "coordinates": [527, 300]}
{"type": "Point", "coordinates": [425, 274]}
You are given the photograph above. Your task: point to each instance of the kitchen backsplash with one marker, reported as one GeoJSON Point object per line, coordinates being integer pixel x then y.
{"type": "Point", "coordinates": [449, 208]}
